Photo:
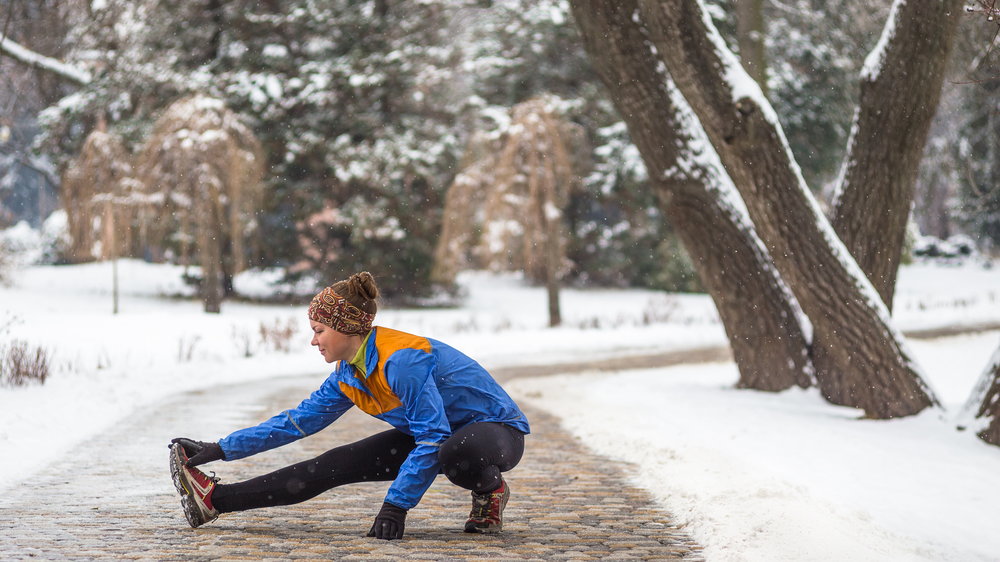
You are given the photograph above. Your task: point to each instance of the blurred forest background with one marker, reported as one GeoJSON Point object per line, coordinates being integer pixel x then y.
{"type": "Point", "coordinates": [799, 150]}
{"type": "Point", "coordinates": [323, 137]}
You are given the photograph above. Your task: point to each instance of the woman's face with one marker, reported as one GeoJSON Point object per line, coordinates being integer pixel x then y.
{"type": "Point", "coordinates": [332, 344]}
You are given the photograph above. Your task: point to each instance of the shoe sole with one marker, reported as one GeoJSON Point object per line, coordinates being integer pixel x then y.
{"type": "Point", "coordinates": [191, 511]}
{"type": "Point", "coordinates": [473, 528]}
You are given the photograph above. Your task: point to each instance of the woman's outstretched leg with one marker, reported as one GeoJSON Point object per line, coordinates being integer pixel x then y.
{"type": "Point", "coordinates": [376, 458]}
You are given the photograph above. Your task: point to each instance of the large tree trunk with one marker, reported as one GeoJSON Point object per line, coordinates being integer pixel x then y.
{"type": "Point", "coordinates": [860, 358]}
{"type": "Point", "coordinates": [985, 401]}
{"type": "Point", "coordinates": [750, 33]}
{"type": "Point", "coordinates": [900, 89]}
{"type": "Point", "coordinates": [759, 314]}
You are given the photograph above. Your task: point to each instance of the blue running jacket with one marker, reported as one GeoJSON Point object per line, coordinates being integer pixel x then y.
{"type": "Point", "coordinates": [420, 386]}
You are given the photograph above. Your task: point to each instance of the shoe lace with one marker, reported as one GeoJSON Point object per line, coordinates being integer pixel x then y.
{"type": "Point", "coordinates": [195, 472]}
{"type": "Point", "coordinates": [482, 504]}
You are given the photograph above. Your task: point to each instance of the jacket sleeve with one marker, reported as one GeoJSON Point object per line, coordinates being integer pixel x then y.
{"type": "Point", "coordinates": [409, 373]}
{"type": "Point", "coordinates": [322, 408]}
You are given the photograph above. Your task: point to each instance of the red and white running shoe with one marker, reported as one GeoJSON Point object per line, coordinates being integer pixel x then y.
{"type": "Point", "coordinates": [195, 488]}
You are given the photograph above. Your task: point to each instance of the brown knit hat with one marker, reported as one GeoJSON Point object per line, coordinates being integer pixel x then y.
{"type": "Point", "coordinates": [347, 306]}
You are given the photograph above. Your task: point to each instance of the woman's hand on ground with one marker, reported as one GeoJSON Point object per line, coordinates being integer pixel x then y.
{"type": "Point", "coordinates": [389, 522]}
{"type": "Point", "coordinates": [199, 452]}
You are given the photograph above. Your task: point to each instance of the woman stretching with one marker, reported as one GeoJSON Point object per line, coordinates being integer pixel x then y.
{"type": "Point", "coordinates": [449, 416]}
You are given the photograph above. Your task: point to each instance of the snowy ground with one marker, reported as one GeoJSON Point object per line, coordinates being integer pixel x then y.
{"type": "Point", "coordinates": [756, 476]}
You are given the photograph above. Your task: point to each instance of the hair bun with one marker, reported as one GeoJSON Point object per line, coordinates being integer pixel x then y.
{"type": "Point", "coordinates": [364, 285]}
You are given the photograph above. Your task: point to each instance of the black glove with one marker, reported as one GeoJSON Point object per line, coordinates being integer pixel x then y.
{"type": "Point", "coordinates": [388, 523]}
{"type": "Point", "coordinates": [199, 452]}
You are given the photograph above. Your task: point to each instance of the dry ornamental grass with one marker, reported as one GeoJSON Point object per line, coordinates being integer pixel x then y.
{"type": "Point", "coordinates": [22, 364]}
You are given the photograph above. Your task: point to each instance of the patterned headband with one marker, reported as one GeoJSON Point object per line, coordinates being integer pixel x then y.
{"type": "Point", "coordinates": [330, 309]}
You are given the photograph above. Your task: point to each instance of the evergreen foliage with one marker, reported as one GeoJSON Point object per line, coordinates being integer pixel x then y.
{"type": "Point", "coordinates": [364, 109]}
{"type": "Point", "coordinates": [815, 49]}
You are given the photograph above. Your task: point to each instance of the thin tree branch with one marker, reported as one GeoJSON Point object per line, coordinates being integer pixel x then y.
{"type": "Point", "coordinates": [35, 60]}
{"type": "Point", "coordinates": [40, 168]}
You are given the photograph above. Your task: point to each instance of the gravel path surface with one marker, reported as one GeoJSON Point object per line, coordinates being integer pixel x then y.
{"type": "Point", "coordinates": [112, 497]}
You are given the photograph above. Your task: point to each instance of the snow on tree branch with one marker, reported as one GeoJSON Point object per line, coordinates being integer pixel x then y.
{"type": "Point", "coordinates": [986, 7]}
{"type": "Point", "coordinates": [36, 60]}
{"type": "Point", "coordinates": [876, 57]}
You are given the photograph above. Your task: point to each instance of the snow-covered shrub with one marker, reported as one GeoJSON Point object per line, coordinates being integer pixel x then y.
{"type": "Point", "coordinates": [955, 248]}
{"type": "Point", "coordinates": [243, 341]}
{"type": "Point", "coordinates": [55, 240]}
{"type": "Point", "coordinates": [963, 245]}
{"type": "Point", "coordinates": [22, 245]}
{"type": "Point", "coordinates": [271, 336]}
{"type": "Point", "coordinates": [19, 245]}
{"type": "Point", "coordinates": [660, 310]}
{"type": "Point", "coordinates": [4, 263]}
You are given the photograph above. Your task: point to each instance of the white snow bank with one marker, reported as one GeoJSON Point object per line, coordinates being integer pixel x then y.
{"type": "Point", "coordinates": [759, 476]}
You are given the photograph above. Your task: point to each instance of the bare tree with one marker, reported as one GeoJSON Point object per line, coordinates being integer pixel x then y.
{"type": "Point", "coordinates": [30, 58]}
{"type": "Point", "coordinates": [204, 168]}
{"type": "Point", "coordinates": [900, 89]}
{"type": "Point", "coordinates": [90, 184]}
{"type": "Point", "coordinates": [860, 359]}
{"type": "Point", "coordinates": [461, 221]}
{"type": "Point", "coordinates": [534, 175]}
{"type": "Point", "coordinates": [750, 35]}
{"type": "Point", "coordinates": [989, 9]}
{"type": "Point", "coordinates": [759, 313]}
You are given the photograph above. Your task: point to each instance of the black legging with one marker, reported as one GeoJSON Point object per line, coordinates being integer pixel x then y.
{"type": "Point", "coordinates": [473, 458]}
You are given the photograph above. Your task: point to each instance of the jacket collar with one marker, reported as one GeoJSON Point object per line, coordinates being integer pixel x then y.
{"type": "Point", "coordinates": [371, 353]}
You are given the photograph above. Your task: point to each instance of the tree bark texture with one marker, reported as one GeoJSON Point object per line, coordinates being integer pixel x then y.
{"type": "Point", "coordinates": [859, 357]}
{"type": "Point", "coordinates": [986, 400]}
{"type": "Point", "coordinates": [759, 315]}
{"type": "Point", "coordinates": [899, 98]}
{"type": "Point", "coordinates": [750, 33]}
